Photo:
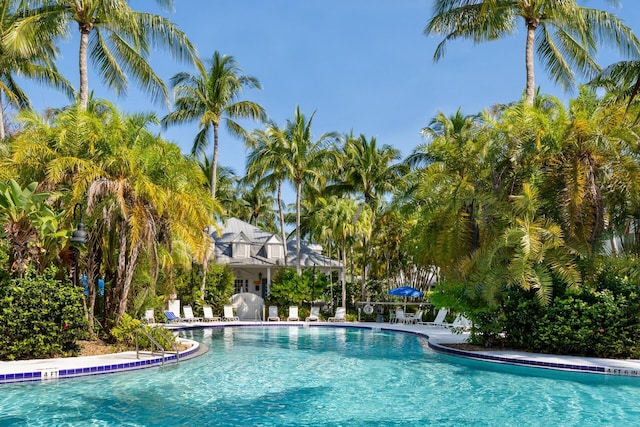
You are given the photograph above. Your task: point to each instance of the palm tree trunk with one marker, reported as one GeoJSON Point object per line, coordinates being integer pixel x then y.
{"type": "Point", "coordinates": [530, 88]}
{"type": "Point", "coordinates": [282, 231]}
{"type": "Point", "coordinates": [343, 273]}
{"type": "Point", "coordinates": [298, 196]}
{"type": "Point", "coordinates": [214, 161]}
{"type": "Point", "coordinates": [83, 97]}
{"type": "Point", "coordinates": [2, 134]}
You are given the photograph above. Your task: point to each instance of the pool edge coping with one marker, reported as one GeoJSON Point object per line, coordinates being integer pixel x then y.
{"type": "Point", "coordinates": [197, 349]}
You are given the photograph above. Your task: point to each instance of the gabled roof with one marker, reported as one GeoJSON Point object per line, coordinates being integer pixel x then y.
{"type": "Point", "coordinates": [235, 230]}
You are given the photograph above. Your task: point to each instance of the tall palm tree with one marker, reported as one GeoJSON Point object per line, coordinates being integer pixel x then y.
{"type": "Point", "coordinates": [368, 171]}
{"type": "Point", "coordinates": [266, 163]}
{"type": "Point", "coordinates": [116, 38]}
{"type": "Point", "coordinates": [34, 61]}
{"type": "Point", "coordinates": [210, 98]}
{"type": "Point", "coordinates": [140, 191]}
{"type": "Point", "coordinates": [564, 34]}
{"type": "Point", "coordinates": [304, 158]}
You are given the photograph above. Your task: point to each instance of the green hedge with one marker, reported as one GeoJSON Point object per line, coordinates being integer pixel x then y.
{"type": "Point", "coordinates": [40, 317]}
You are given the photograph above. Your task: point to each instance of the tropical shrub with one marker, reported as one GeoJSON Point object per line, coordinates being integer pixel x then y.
{"type": "Point", "coordinates": [41, 316]}
{"type": "Point", "coordinates": [218, 288]}
{"type": "Point", "coordinates": [128, 330]}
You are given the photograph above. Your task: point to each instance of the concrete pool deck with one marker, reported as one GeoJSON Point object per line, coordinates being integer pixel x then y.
{"type": "Point", "coordinates": [438, 337]}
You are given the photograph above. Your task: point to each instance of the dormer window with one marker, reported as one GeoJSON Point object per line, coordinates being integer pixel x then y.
{"type": "Point", "coordinates": [240, 250]}
{"type": "Point", "coordinates": [274, 248]}
{"type": "Point", "coordinates": [241, 247]}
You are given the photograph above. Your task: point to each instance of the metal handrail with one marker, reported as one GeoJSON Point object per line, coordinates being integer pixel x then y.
{"type": "Point", "coordinates": [165, 333]}
{"type": "Point", "coordinates": [143, 330]}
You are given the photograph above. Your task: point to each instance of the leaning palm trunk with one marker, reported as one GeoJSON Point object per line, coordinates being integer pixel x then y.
{"type": "Point", "coordinates": [282, 231]}
{"type": "Point", "coordinates": [342, 273]}
{"type": "Point", "coordinates": [2, 134]}
{"type": "Point", "coordinates": [298, 195]}
{"type": "Point", "coordinates": [214, 161]}
{"type": "Point", "coordinates": [124, 275]}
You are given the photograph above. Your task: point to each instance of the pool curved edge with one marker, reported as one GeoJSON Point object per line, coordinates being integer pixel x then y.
{"type": "Point", "coordinates": [73, 367]}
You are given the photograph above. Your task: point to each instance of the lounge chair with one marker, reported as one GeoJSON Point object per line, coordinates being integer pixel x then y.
{"type": "Point", "coordinates": [228, 313]}
{"type": "Point", "coordinates": [293, 313]}
{"type": "Point", "coordinates": [462, 323]}
{"type": "Point", "coordinates": [313, 315]}
{"type": "Point", "coordinates": [171, 317]}
{"type": "Point", "coordinates": [208, 314]}
{"type": "Point", "coordinates": [149, 316]}
{"type": "Point", "coordinates": [439, 320]}
{"type": "Point", "coordinates": [341, 315]}
{"type": "Point", "coordinates": [400, 316]}
{"type": "Point", "coordinates": [188, 314]}
{"type": "Point", "coordinates": [414, 318]}
{"type": "Point", "coordinates": [273, 313]}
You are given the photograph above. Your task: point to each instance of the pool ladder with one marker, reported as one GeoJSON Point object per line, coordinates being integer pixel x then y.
{"type": "Point", "coordinates": [155, 343]}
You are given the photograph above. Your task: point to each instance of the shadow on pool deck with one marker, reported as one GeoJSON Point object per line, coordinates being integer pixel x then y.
{"type": "Point", "coordinates": [438, 337]}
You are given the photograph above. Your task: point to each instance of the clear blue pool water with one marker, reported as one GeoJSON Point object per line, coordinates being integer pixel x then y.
{"type": "Point", "coordinates": [303, 376]}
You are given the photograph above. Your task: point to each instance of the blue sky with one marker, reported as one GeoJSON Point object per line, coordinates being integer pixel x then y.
{"type": "Point", "coordinates": [361, 65]}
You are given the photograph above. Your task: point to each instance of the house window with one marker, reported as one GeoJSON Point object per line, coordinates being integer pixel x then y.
{"type": "Point", "coordinates": [275, 251]}
{"type": "Point", "coordinates": [240, 250]}
{"type": "Point", "coordinates": [239, 286]}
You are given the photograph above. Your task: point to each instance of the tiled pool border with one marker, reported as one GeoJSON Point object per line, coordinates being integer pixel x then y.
{"type": "Point", "coordinates": [47, 374]}
{"type": "Point", "coordinates": [44, 374]}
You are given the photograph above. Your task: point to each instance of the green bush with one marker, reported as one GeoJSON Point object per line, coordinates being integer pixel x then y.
{"type": "Point", "coordinates": [40, 317]}
{"type": "Point", "coordinates": [600, 320]}
{"type": "Point", "coordinates": [129, 329]}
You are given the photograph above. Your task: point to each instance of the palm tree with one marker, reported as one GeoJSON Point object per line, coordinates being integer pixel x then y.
{"type": "Point", "coordinates": [34, 62]}
{"type": "Point", "coordinates": [303, 160]}
{"type": "Point", "coordinates": [117, 38]}
{"type": "Point", "coordinates": [368, 171]}
{"type": "Point", "coordinates": [565, 35]}
{"type": "Point", "coordinates": [267, 163]}
{"type": "Point", "coordinates": [140, 191]}
{"type": "Point", "coordinates": [210, 98]}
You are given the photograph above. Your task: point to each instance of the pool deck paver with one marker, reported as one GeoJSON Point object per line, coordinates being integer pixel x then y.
{"type": "Point", "coordinates": [438, 337]}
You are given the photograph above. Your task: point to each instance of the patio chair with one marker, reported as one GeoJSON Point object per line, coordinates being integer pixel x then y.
{"type": "Point", "coordinates": [400, 317]}
{"type": "Point", "coordinates": [293, 313]}
{"type": "Point", "coordinates": [228, 313]}
{"type": "Point", "coordinates": [313, 315]}
{"type": "Point", "coordinates": [171, 317]}
{"type": "Point", "coordinates": [414, 318]}
{"type": "Point", "coordinates": [439, 320]}
{"type": "Point", "coordinates": [461, 323]}
{"type": "Point", "coordinates": [208, 314]}
{"type": "Point", "coordinates": [188, 314]}
{"type": "Point", "coordinates": [273, 313]}
{"type": "Point", "coordinates": [149, 316]}
{"type": "Point", "coordinates": [341, 315]}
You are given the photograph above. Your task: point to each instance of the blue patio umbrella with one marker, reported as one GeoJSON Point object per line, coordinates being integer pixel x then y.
{"type": "Point", "coordinates": [406, 291]}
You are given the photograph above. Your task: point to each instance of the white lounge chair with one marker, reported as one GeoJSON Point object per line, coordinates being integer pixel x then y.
{"type": "Point", "coordinates": [439, 320]}
{"type": "Point", "coordinates": [273, 313]}
{"type": "Point", "coordinates": [400, 316]}
{"type": "Point", "coordinates": [149, 316]}
{"type": "Point", "coordinates": [293, 313]}
{"type": "Point", "coordinates": [314, 314]}
{"type": "Point", "coordinates": [228, 313]}
{"type": "Point", "coordinates": [341, 315]}
{"type": "Point", "coordinates": [188, 314]}
{"type": "Point", "coordinates": [462, 323]}
{"type": "Point", "coordinates": [208, 314]}
{"type": "Point", "coordinates": [414, 318]}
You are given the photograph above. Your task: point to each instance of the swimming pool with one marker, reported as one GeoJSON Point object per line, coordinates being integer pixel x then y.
{"type": "Point", "coordinates": [300, 376]}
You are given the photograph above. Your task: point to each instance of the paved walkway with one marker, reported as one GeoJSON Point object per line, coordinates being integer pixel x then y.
{"type": "Point", "coordinates": [44, 369]}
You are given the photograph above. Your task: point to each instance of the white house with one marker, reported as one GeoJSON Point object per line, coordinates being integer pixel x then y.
{"type": "Point", "coordinates": [253, 254]}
